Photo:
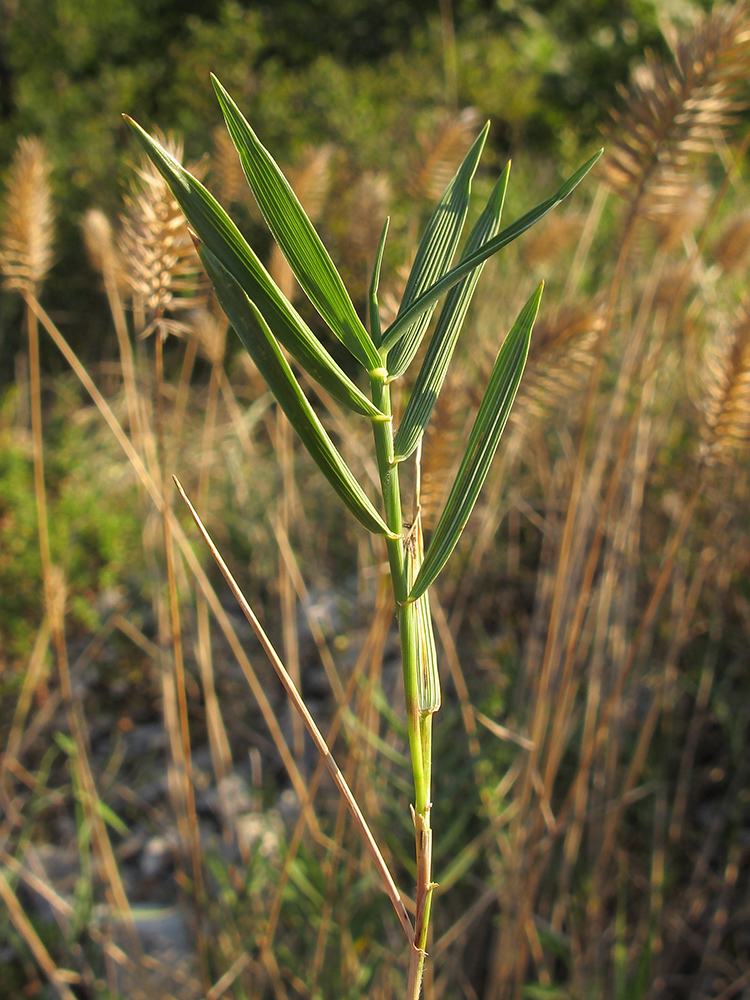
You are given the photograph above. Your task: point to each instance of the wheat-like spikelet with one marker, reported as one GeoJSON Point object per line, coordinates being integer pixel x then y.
{"type": "Point", "coordinates": [732, 248]}
{"type": "Point", "coordinates": [226, 169]}
{"type": "Point", "coordinates": [674, 284]}
{"type": "Point", "coordinates": [162, 266]}
{"type": "Point", "coordinates": [563, 353]}
{"type": "Point", "coordinates": [310, 181]}
{"type": "Point", "coordinates": [726, 391]}
{"type": "Point", "coordinates": [441, 153]}
{"type": "Point", "coordinates": [367, 202]}
{"type": "Point", "coordinates": [675, 223]}
{"type": "Point", "coordinates": [675, 110]}
{"type": "Point", "coordinates": [547, 242]}
{"type": "Point", "coordinates": [27, 229]}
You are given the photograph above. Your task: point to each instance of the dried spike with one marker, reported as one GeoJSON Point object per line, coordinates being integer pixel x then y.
{"type": "Point", "coordinates": [674, 284]}
{"type": "Point", "coordinates": [360, 214]}
{"type": "Point", "coordinates": [99, 240]}
{"type": "Point", "coordinates": [28, 227]}
{"type": "Point", "coordinates": [546, 242]}
{"type": "Point", "coordinates": [563, 354]}
{"type": "Point", "coordinates": [726, 391]}
{"type": "Point", "coordinates": [688, 205]}
{"type": "Point", "coordinates": [226, 169]}
{"type": "Point", "coordinates": [675, 110]}
{"type": "Point", "coordinates": [732, 248]}
{"type": "Point", "coordinates": [162, 266]}
{"type": "Point", "coordinates": [441, 153]}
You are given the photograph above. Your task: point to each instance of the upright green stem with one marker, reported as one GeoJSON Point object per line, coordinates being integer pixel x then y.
{"type": "Point", "coordinates": [419, 724]}
{"type": "Point", "coordinates": [407, 618]}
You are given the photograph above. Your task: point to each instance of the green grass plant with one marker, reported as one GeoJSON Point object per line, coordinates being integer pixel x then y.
{"type": "Point", "coordinates": [265, 321]}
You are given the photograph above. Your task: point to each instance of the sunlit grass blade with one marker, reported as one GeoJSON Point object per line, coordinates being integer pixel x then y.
{"type": "Point", "coordinates": [375, 283]}
{"type": "Point", "coordinates": [261, 345]}
{"type": "Point", "coordinates": [404, 320]}
{"type": "Point", "coordinates": [427, 681]}
{"type": "Point", "coordinates": [440, 351]}
{"type": "Point", "coordinates": [483, 442]}
{"type": "Point", "coordinates": [435, 253]}
{"type": "Point", "coordinates": [296, 236]}
{"type": "Point", "coordinates": [429, 697]}
{"type": "Point", "coordinates": [222, 237]}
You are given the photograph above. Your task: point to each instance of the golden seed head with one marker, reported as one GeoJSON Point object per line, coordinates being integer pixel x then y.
{"type": "Point", "coordinates": [163, 269]}
{"type": "Point", "coordinates": [27, 231]}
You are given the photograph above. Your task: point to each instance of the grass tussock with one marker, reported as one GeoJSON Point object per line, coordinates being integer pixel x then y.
{"type": "Point", "coordinates": [591, 777]}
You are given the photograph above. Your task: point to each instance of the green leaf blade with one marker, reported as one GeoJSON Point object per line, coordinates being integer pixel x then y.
{"type": "Point", "coordinates": [222, 237]}
{"type": "Point", "coordinates": [260, 343]}
{"type": "Point", "coordinates": [434, 255]}
{"type": "Point", "coordinates": [483, 443]}
{"type": "Point", "coordinates": [440, 351]}
{"type": "Point", "coordinates": [296, 235]}
{"type": "Point", "coordinates": [403, 321]}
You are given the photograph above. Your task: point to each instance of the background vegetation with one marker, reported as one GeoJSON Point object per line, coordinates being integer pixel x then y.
{"type": "Point", "coordinates": [591, 784]}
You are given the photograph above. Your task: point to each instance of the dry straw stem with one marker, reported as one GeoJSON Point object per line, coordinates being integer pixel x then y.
{"type": "Point", "coordinates": [195, 567]}
{"type": "Point", "coordinates": [27, 229]}
{"type": "Point", "coordinates": [675, 111]}
{"type": "Point", "coordinates": [315, 734]}
{"type": "Point", "coordinates": [60, 978]}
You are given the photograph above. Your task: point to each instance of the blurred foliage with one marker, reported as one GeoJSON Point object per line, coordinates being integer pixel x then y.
{"type": "Point", "coordinates": [363, 74]}
{"type": "Point", "coordinates": [95, 522]}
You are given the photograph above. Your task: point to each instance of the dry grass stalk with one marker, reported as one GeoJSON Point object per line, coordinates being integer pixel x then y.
{"type": "Point", "coordinates": [28, 226]}
{"type": "Point", "coordinates": [674, 112]}
{"type": "Point", "coordinates": [162, 266]}
{"type": "Point", "coordinates": [726, 396]}
{"type": "Point", "coordinates": [315, 734]}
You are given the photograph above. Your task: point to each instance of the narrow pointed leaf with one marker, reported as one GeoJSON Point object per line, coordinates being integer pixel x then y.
{"type": "Point", "coordinates": [401, 325]}
{"type": "Point", "coordinates": [435, 253]}
{"type": "Point", "coordinates": [375, 284]}
{"type": "Point", "coordinates": [296, 236]}
{"type": "Point", "coordinates": [429, 696]}
{"type": "Point", "coordinates": [261, 345]}
{"type": "Point", "coordinates": [435, 365]}
{"type": "Point", "coordinates": [483, 442]}
{"type": "Point", "coordinates": [219, 233]}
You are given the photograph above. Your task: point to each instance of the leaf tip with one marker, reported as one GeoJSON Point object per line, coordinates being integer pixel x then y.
{"type": "Point", "coordinates": [197, 241]}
